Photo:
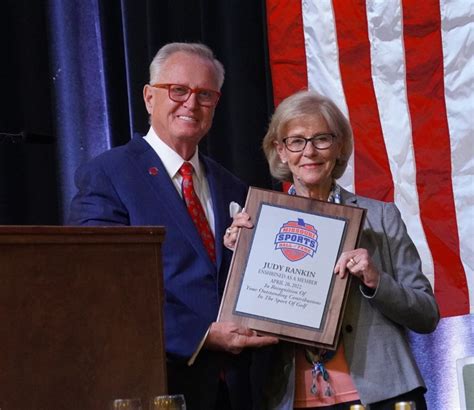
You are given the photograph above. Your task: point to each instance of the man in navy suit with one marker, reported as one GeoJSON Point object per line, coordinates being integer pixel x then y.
{"type": "Point", "coordinates": [140, 184]}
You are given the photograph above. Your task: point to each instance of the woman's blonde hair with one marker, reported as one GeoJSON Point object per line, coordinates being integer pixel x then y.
{"type": "Point", "coordinates": [306, 104]}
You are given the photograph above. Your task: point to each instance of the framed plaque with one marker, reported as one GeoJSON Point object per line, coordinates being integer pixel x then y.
{"type": "Point", "coordinates": [281, 280]}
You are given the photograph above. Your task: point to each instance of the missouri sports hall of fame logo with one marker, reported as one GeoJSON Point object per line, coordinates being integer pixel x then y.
{"type": "Point", "coordinates": [296, 240]}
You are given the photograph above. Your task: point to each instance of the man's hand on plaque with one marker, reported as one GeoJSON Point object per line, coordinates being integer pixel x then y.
{"type": "Point", "coordinates": [241, 220]}
{"type": "Point", "coordinates": [230, 337]}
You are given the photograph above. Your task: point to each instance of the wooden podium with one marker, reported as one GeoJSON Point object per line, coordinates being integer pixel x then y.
{"type": "Point", "coordinates": [81, 319]}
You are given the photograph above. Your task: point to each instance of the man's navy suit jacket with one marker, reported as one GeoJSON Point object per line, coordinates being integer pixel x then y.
{"type": "Point", "coordinates": [129, 185]}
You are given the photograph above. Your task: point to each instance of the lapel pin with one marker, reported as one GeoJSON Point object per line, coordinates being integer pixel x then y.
{"type": "Point", "coordinates": [153, 171]}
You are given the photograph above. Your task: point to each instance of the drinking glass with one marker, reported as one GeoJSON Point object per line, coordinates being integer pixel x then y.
{"type": "Point", "coordinates": [126, 404]}
{"type": "Point", "coordinates": [172, 402]}
{"type": "Point", "coordinates": [405, 405]}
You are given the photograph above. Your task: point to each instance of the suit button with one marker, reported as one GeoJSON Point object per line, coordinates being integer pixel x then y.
{"type": "Point", "coordinates": [348, 328]}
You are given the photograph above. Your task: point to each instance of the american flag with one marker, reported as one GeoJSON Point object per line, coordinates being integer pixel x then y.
{"type": "Point", "coordinates": [403, 73]}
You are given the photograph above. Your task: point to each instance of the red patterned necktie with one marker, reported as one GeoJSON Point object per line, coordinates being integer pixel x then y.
{"type": "Point", "coordinates": [195, 209]}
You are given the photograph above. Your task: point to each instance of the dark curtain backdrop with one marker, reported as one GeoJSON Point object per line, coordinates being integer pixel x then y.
{"type": "Point", "coordinates": [72, 75]}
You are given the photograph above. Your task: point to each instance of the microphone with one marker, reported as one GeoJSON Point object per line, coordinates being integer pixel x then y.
{"type": "Point", "coordinates": [25, 137]}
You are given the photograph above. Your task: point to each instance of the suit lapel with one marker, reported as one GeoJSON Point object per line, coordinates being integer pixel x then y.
{"type": "Point", "coordinates": [348, 198]}
{"type": "Point", "coordinates": [166, 196]}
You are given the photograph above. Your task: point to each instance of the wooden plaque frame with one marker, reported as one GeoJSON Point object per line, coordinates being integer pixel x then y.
{"type": "Point", "coordinates": [326, 335]}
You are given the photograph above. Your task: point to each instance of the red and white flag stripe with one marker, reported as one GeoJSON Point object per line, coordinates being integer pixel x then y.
{"type": "Point", "coordinates": [403, 73]}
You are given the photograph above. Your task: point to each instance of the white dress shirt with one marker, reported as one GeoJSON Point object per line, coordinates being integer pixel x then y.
{"type": "Point", "coordinates": [172, 162]}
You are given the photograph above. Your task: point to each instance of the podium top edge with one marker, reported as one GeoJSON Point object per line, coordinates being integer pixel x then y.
{"type": "Point", "coordinates": [61, 229]}
{"type": "Point", "coordinates": [71, 234]}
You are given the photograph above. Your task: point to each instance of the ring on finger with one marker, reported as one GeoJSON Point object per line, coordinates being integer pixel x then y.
{"type": "Point", "coordinates": [353, 261]}
{"type": "Point", "coordinates": [228, 231]}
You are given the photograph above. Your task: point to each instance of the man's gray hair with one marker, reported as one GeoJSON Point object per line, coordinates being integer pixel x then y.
{"type": "Point", "coordinates": [197, 49]}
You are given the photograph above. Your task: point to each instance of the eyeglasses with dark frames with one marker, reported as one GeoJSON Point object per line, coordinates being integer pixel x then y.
{"type": "Point", "coordinates": [298, 143]}
{"type": "Point", "coordinates": [181, 93]}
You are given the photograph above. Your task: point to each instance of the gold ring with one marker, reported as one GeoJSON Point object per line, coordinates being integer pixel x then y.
{"type": "Point", "coordinates": [352, 260]}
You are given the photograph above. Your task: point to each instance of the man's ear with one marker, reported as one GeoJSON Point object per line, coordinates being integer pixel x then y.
{"type": "Point", "coordinates": [148, 97]}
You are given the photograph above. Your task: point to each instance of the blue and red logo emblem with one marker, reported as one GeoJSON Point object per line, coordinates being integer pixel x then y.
{"type": "Point", "coordinates": [296, 240]}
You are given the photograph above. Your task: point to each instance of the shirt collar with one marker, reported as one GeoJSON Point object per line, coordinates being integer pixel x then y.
{"type": "Point", "coordinates": [172, 161]}
{"type": "Point", "coordinates": [334, 195]}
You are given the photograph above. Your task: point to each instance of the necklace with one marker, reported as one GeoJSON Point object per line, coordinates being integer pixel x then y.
{"type": "Point", "coordinates": [316, 358]}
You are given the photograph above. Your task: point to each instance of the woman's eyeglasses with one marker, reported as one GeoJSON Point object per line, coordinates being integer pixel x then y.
{"type": "Point", "coordinates": [298, 144]}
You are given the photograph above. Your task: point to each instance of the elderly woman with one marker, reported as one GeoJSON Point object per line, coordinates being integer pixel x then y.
{"type": "Point", "coordinates": [309, 142]}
